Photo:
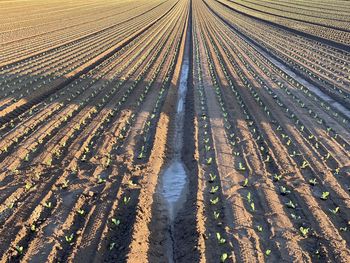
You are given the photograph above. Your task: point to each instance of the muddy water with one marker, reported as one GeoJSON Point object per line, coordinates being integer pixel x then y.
{"type": "Point", "coordinates": [173, 186]}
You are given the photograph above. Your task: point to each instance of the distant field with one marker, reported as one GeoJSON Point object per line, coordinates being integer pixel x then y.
{"type": "Point", "coordinates": [174, 131]}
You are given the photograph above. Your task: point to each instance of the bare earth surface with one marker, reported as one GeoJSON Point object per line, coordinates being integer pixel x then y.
{"type": "Point", "coordinates": [174, 131]}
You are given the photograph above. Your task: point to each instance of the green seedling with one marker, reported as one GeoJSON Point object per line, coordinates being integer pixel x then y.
{"type": "Point", "coordinates": [313, 182]}
{"type": "Point", "coordinates": [290, 204]}
{"type": "Point", "coordinates": [28, 186]}
{"type": "Point", "coordinates": [295, 217]}
{"type": "Point", "coordinates": [284, 191]}
{"type": "Point", "coordinates": [259, 228]}
{"type": "Point", "coordinates": [252, 206]}
{"type": "Point", "coordinates": [212, 177]}
{"type": "Point", "coordinates": [216, 215]}
{"type": "Point", "coordinates": [335, 210]}
{"type": "Point", "coordinates": [277, 178]}
{"type": "Point", "coordinates": [343, 229]}
{"type": "Point", "coordinates": [19, 250]}
{"type": "Point", "coordinates": [126, 200]}
{"type": "Point", "coordinates": [101, 180]}
{"type": "Point", "coordinates": [81, 212]}
{"type": "Point", "coordinates": [223, 257]}
{"type": "Point", "coordinates": [65, 184]}
{"type": "Point", "coordinates": [245, 182]}
{"type": "Point", "coordinates": [111, 246]}
{"type": "Point", "coordinates": [115, 221]}
{"type": "Point", "coordinates": [33, 228]}
{"type": "Point", "coordinates": [325, 195]}
{"type": "Point", "coordinates": [214, 189]}
{"type": "Point", "coordinates": [69, 238]}
{"type": "Point", "coordinates": [214, 201]}
{"type": "Point", "coordinates": [48, 204]}
{"type": "Point", "coordinates": [304, 231]}
{"type": "Point", "coordinates": [268, 159]}
{"type": "Point", "coordinates": [249, 197]}
{"type": "Point", "coordinates": [207, 148]}
{"type": "Point", "coordinates": [220, 239]}
{"type": "Point", "coordinates": [140, 156]}
{"type": "Point", "coordinates": [241, 167]}
{"type": "Point", "coordinates": [305, 164]}
{"type": "Point", "coordinates": [209, 161]}
{"type": "Point", "coordinates": [268, 252]}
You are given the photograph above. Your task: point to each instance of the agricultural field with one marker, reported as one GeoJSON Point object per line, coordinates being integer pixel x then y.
{"type": "Point", "coordinates": [174, 131]}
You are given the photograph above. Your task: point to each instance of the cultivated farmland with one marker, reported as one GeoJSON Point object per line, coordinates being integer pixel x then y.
{"type": "Point", "coordinates": [174, 131]}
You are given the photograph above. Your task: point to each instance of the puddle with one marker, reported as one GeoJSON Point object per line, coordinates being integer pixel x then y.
{"type": "Point", "coordinates": [173, 185]}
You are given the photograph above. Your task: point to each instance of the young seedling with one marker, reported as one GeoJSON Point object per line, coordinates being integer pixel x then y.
{"type": "Point", "coordinates": [220, 239]}
{"type": "Point", "coordinates": [290, 204]}
{"type": "Point", "coordinates": [268, 159]}
{"type": "Point", "coordinates": [252, 206]}
{"type": "Point", "coordinates": [216, 215]}
{"type": "Point", "coordinates": [212, 177]}
{"type": "Point", "coordinates": [28, 186]}
{"type": "Point", "coordinates": [207, 148]}
{"type": "Point", "coordinates": [65, 184]}
{"type": "Point", "coordinates": [33, 228]}
{"type": "Point", "coordinates": [115, 221]}
{"type": "Point", "coordinates": [305, 164]}
{"type": "Point", "coordinates": [214, 201]}
{"type": "Point", "coordinates": [259, 228]}
{"type": "Point", "coordinates": [81, 212]}
{"type": "Point", "coordinates": [277, 178]}
{"type": "Point", "coordinates": [312, 182]}
{"type": "Point", "coordinates": [268, 252]}
{"type": "Point", "coordinates": [214, 189]}
{"type": "Point", "coordinates": [19, 250]}
{"type": "Point", "coordinates": [69, 239]}
{"type": "Point", "coordinates": [209, 161]}
{"type": "Point", "coordinates": [223, 257]}
{"type": "Point", "coordinates": [111, 246]}
{"type": "Point", "coordinates": [126, 200]}
{"type": "Point", "coordinates": [295, 217]}
{"type": "Point", "coordinates": [284, 191]}
{"type": "Point", "coordinates": [304, 231]}
{"type": "Point", "coordinates": [325, 195]}
{"type": "Point", "coordinates": [245, 182]}
{"type": "Point", "coordinates": [241, 167]}
{"type": "Point", "coordinates": [48, 204]}
{"type": "Point", "coordinates": [335, 210]}
{"type": "Point", "coordinates": [101, 180]}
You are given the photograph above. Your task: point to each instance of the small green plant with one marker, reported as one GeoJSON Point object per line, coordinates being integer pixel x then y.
{"type": "Point", "coordinates": [313, 182]}
{"type": "Point", "coordinates": [284, 190]}
{"type": "Point", "coordinates": [335, 210]}
{"type": "Point", "coordinates": [249, 197]}
{"type": "Point", "coordinates": [268, 252]}
{"type": "Point", "coordinates": [69, 238]}
{"type": "Point", "coordinates": [304, 231]}
{"type": "Point", "coordinates": [81, 212]}
{"type": "Point", "coordinates": [214, 201]}
{"type": "Point", "coordinates": [209, 161]}
{"type": "Point", "coordinates": [48, 204]}
{"type": "Point", "coordinates": [33, 227]}
{"type": "Point", "coordinates": [19, 249]}
{"type": "Point", "coordinates": [290, 204]}
{"type": "Point", "coordinates": [259, 228]}
{"type": "Point", "coordinates": [241, 167]}
{"type": "Point", "coordinates": [126, 200]}
{"type": "Point", "coordinates": [212, 177]}
{"type": "Point", "coordinates": [214, 189]}
{"type": "Point", "coordinates": [245, 182]}
{"type": "Point", "coordinates": [223, 257]}
{"type": "Point", "coordinates": [304, 165]}
{"type": "Point", "coordinates": [220, 239]}
{"type": "Point", "coordinates": [115, 221]}
{"type": "Point", "coordinates": [277, 177]}
{"type": "Point", "coordinates": [101, 180]}
{"type": "Point", "coordinates": [325, 195]}
{"type": "Point", "coordinates": [252, 206]}
{"type": "Point", "coordinates": [216, 215]}
{"type": "Point", "coordinates": [111, 246]}
{"type": "Point", "coordinates": [65, 184]}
